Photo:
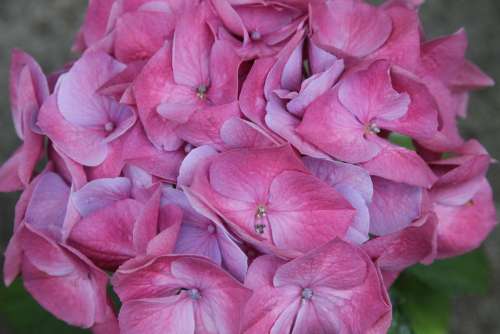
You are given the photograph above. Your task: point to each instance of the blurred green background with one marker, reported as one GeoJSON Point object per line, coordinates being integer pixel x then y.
{"type": "Point", "coordinates": [45, 29]}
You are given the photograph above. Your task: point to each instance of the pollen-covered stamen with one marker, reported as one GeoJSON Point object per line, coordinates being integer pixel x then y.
{"type": "Point", "coordinates": [259, 228]}
{"type": "Point", "coordinates": [109, 126]}
{"type": "Point", "coordinates": [307, 294]}
{"type": "Point", "coordinates": [255, 35]}
{"type": "Point", "coordinates": [188, 148]}
{"type": "Point", "coordinates": [261, 212]}
{"type": "Point", "coordinates": [372, 128]}
{"type": "Point", "coordinates": [194, 294]}
{"type": "Point", "coordinates": [201, 91]}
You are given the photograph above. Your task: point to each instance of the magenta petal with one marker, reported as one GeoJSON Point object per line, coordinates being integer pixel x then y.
{"type": "Point", "coordinates": [47, 207]}
{"type": "Point", "coordinates": [105, 236]}
{"type": "Point", "coordinates": [346, 139]}
{"type": "Point", "coordinates": [394, 206]}
{"type": "Point", "coordinates": [354, 184]}
{"type": "Point", "coordinates": [315, 86]}
{"type": "Point", "coordinates": [204, 126]}
{"type": "Point", "coordinates": [252, 100]}
{"type": "Point", "coordinates": [397, 251]}
{"type": "Point", "coordinates": [149, 90]}
{"type": "Point", "coordinates": [62, 281]}
{"type": "Point", "coordinates": [225, 64]}
{"type": "Point", "coordinates": [411, 168]}
{"type": "Point", "coordinates": [369, 95]}
{"type": "Point", "coordinates": [364, 27]}
{"type": "Point", "coordinates": [285, 124]}
{"type": "Point", "coordinates": [421, 120]}
{"type": "Point", "coordinates": [140, 34]}
{"type": "Point", "coordinates": [77, 99]}
{"type": "Point", "coordinates": [304, 212]}
{"type": "Point", "coordinates": [100, 193]}
{"type": "Point", "coordinates": [172, 314]}
{"type": "Point", "coordinates": [28, 90]}
{"type": "Point", "coordinates": [85, 146]}
{"type": "Point", "coordinates": [170, 220]}
{"type": "Point", "coordinates": [463, 228]}
{"type": "Point", "coordinates": [238, 133]}
{"type": "Point", "coordinates": [191, 49]}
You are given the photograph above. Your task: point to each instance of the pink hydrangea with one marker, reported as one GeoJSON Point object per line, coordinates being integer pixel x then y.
{"type": "Point", "coordinates": [228, 166]}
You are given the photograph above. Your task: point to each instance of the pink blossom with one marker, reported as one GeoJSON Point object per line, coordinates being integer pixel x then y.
{"type": "Point", "coordinates": [260, 29]}
{"type": "Point", "coordinates": [58, 276]}
{"type": "Point", "coordinates": [233, 164]}
{"type": "Point", "coordinates": [28, 91]}
{"type": "Point", "coordinates": [176, 294]}
{"type": "Point", "coordinates": [463, 200]}
{"type": "Point", "coordinates": [332, 289]}
{"type": "Point", "coordinates": [270, 199]}
{"type": "Point", "coordinates": [106, 207]}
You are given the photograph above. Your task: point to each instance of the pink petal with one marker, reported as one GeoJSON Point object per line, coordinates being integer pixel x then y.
{"type": "Point", "coordinates": [400, 250]}
{"type": "Point", "coordinates": [105, 236]}
{"type": "Point", "coordinates": [140, 34]}
{"type": "Point", "coordinates": [365, 28]}
{"type": "Point", "coordinates": [400, 165]}
{"type": "Point", "coordinates": [191, 49]}
{"type": "Point", "coordinates": [238, 133]}
{"type": "Point", "coordinates": [402, 48]}
{"type": "Point", "coordinates": [149, 89]}
{"type": "Point", "coordinates": [304, 212]}
{"type": "Point", "coordinates": [28, 90]}
{"type": "Point", "coordinates": [346, 139]}
{"type": "Point", "coordinates": [100, 193]}
{"type": "Point", "coordinates": [225, 64]}
{"type": "Point", "coordinates": [204, 126]}
{"type": "Point", "coordinates": [85, 146]}
{"type": "Point", "coordinates": [369, 95]}
{"type": "Point", "coordinates": [394, 206]}
{"type": "Point", "coordinates": [463, 228]}
{"type": "Point", "coordinates": [172, 314]}
{"type": "Point", "coordinates": [421, 120]}
{"type": "Point", "coordinates": [47, 207]}
{"type": "Point", "coordinates": [77, 99]}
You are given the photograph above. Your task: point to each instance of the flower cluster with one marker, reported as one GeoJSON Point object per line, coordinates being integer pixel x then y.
{"type": "Point", "coordinates": [237, 166]}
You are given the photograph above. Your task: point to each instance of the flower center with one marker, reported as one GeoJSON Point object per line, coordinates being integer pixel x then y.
{"type": "Point", "coordinates": [261, 212]}
{"type": "Point", "coordinates": [259, 228]}
{"type": "Point", "coordinates": [255, 35]}
{"type": "Point", "coordinates": [307, 294]}
{"type": "Point", "coordinates": [194, 294]}
{"type": "Point", "coordinates": [201, 91]}
{"type": "Point", "coordinates": [372, 128]}
{"type": "Point", "coordinates": [188, 147]}
{"type": "Point", "coordinates": [109, 126]}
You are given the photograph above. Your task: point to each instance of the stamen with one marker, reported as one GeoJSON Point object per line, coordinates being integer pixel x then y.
{"type": "Point", "coordinates": [188, 148]}
{"type": "Point", "coordinates": [109, 126]}
{"type": "Point", "coordinates": [261, 212]}
{"type": "Point", "coordinates": [259, 228]}
{"type": "Point", "coordinates": [201, 91]}
{"type": "Point", "coordinates": [372, 128]}
{"type": "Point", "coordinates": [194, 294]}
{"type": "Point", "coordinates": [307, 294]}
{"type": "Point", "coordinates": [255, 35]}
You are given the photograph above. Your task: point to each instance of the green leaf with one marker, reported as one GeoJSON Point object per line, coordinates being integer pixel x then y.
{"type": "Point", "coordinates": [401, 140]}
{"type": "Point", "coordinates": [426, 309]}
{"type": "Point", "coordinates": [400, 324]}
{"type": "Point", "coordinates": [469, 273]}
{"type": "Point", "coordinates": [22, 315]}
